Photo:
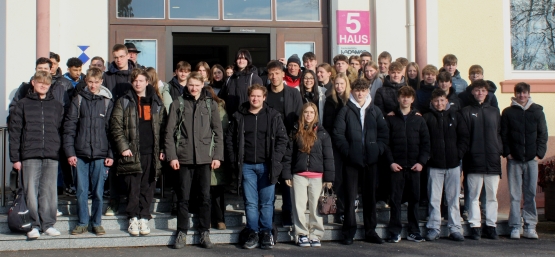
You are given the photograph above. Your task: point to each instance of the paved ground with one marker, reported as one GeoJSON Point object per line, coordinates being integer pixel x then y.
{"type": "Point", "coordinates": [545, 246]}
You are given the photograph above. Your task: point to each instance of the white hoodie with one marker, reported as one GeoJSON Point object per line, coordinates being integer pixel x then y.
{"type": "Point", "coordinates": [362, 108]}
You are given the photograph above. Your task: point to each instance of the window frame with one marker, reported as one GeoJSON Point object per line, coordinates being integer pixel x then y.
{"type": "Point", "coordinates": [155, 50]}
{"type": "Point", "coordinates": [274, 2]}
{"type": "Point", "coordinates": [133, 18]}
{"type": "Point", "coordinates": [220, 7]}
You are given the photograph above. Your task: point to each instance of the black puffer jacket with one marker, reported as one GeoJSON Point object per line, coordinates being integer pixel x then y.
{"type": "Point", "coordinates": [86, 127]}
{"type": "Point", "coordinates": [524, 131]}
{"type": "Point", "coordinates": [448, 140]}
{"type": "Point", "coordinates": [454, 100]}
{"type": "Point", "coordinates": [124, 129]}
{"type": "Point", "coordinates": [409, 140]}
{"type": "Point", "coordinates": [360, 147]}
{"type": "Point", "coordinates": [320, 158]}
{"type": "Point", "coordinates": [466, 97]}
{"type": "Point", "coordinates": [423, 97]}
{"type": "Point", "coordinates": [59, 79]}
{"type": "Point", "coordinates": [485, 146]}
{"type": "Point", "coordinates": [331, 109]}
{"type": "Point", "coordinates": [276, 141]}
{"type": "Point", "coordinates": [234, 93]}
{"type": "Point", "coordinates": [35, 128]}
{"type": "Point", "coordinates": [175, 88]}
{"type": "Point", "coordinates": [118, 81]}
{"type": "Point", "coordinates": [386, 96]}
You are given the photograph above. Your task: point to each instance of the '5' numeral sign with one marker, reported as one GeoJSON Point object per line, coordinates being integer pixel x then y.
{"type": "Point", "coordinates": [353, 27]}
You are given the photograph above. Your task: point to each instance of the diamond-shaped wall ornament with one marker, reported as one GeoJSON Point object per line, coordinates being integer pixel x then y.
{"type": "Point", "coordinates": [83, 57]}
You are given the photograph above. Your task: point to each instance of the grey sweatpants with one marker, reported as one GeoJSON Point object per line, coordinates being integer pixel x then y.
{"type": "Point", "coordinates": [450, 179]}
{"type": "Point", "coordinates": [39, 180]}
{"type": "Point", "coordinates": [523, 178]}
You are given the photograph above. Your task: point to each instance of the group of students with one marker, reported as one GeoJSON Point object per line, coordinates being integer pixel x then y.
{"type": "Point", "coordinates": [356, 126]}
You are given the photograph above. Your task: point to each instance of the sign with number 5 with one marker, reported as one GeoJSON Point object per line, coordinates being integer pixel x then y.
{"type": "Point", "coordinates": [353, 27]}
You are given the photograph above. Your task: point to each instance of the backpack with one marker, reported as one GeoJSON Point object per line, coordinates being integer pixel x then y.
{"type": "Point", "coordinates": [19, 219]}
{"type": "Point", "coordinates": [177, 132]}
{"type": "Point", "coordinates": [80, 98]}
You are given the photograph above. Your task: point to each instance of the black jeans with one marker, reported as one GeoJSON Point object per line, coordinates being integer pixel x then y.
{"type": "Point", "coordinates": [338, 182]}
{"type": "Point", "coordinates": [199, 175]}
{"type": "Point", "coordinates": [140, 189]}
{"type": "Point", "coordinates": [409, 181]}
{"type": "Point", "coordinates": [218, 204]}
{"type": "Point", "coordinates": [351, 178]}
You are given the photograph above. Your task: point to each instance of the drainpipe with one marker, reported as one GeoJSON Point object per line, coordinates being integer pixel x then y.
{"type": "Point", "coordinates": [410, 30]}
{"type": "Point", "coordinates": [43, 28]}
{"type": "Point", "coordinates": [421, 42]}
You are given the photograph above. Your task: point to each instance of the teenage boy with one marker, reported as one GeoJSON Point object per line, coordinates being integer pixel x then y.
{"type": "Point", "coordinates": [407, 153]}
{"type": "Point", "coordinates": [292, 76]}
{"type": "Point", "coordinates": [73, 74]}
{"type": "Point", "coordinates": [341, 65]}
{"type": "Point", "coordinates": [427, 85]}
{"type": "Point", "coordinates": [35, 128]}
{"type": "Point", "coordinates": [384, 60]}
{"type": "Point", "coordinates": [199, 148]}
{"type": "Point", "coordinates": [476, 72]}
{"type": "Point", "coordinates": [86, 143]}
{"type": "Point", "coordinates": [177, 84]}
{"type": "Point", "coordinates": [450, 65]}
{"type": "Point", "coordinates": [361, 135]}
{"type": "Point", "coordinates": [117, 77]}
{"type": "Point", "coordinates": [365, 58]}
{"type": "Point", "coordinates": [444, 83]}
{"type": "Point", "coordinates": [386, 96]}
{"type": "Point", "coordinates": [310, 62]}
{"type": "Point", "coordinates": [524, 135]}
{"type": "Point", "coordinates": [286, 101]}
{"type": "Point", "coordinates": [256, 142]}
{"type": "Point", "coordinates": [481, 163]}
{"type": "Point", "coordinates": [448, 145]}
{"type": "Point", "coordinates": [56, 72]}
{"type": "Point", "coordinates": [97, 62]}
{"type": "Point", "coordinates": [136, 127]}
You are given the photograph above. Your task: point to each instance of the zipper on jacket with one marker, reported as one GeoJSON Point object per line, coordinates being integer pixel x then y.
{"type": "Point", "coordinates": [255, 134]}
{"type": "Point", "coordinates": [406, 142]}
{"type": "Point", "coordinates": [524, 138]}
{"type": "Point", "coordinates": [42, 117]}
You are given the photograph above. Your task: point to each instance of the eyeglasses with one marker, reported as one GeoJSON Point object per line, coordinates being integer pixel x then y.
{"type": "Point", "coordinates": [308, 78]}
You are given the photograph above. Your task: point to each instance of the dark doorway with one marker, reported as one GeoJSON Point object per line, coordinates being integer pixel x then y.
{"type": "Point", "coordinates": [217, 48]}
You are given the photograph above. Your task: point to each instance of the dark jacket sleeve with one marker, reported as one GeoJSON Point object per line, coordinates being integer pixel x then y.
{"type": "Point", "coordinates": [107, 127]}
{"type": "Point", "coordinates": [230, 141]}
{"type": "Point", "coordinates": [379, 101]}
{"type": "Point", "coordinates": [218, 133]}
{"type": "Point", "coordinates": [17, 123]}
{"type": "Point", "coordinates": [19, 94]}
{"type": "Point", "coordinates": [424, 153]}
{"type": "Point", "coordinates": [329, 119]}
{"type": "Point", "coordinates": [162, 126]}
{"type": "Point", "coordinates": [339, 130]}
{"type": "Point", "coordinates": [383, 131]}
{"type": "Point", "coordinates": [257, 80]}
{"type": "Point", "coordinates": [117, 129]}
{"type": "Point", "coordinates": [387, 154]}
{"type": "Point", "coordinates": [281, 140]}
{"type": "Point", "coordinates": [541, 141]}
{"type": "Point", "coordinates": [224, 91]}
{"type": "Point", "coordinates": [287, 160]}
{"type": "Point", "coordinates": [70, 127]}
{"type": "Point", "coordinates": [171, 126]}
{"type": "Point", "coordinates": [493, 101]}
{"type": "Point", "coordinates": [463, 135]}
{"type": "Point", "coordinates": [329, 165]}
{"type": "Point", "coordinates": [505, 132]}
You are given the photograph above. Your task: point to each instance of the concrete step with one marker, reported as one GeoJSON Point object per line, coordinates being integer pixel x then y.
{"type": "Point", "coordinates": [157, 237]}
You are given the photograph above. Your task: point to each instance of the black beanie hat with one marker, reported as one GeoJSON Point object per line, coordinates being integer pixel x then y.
{"type": "Point", "coordinates": [294, 58]}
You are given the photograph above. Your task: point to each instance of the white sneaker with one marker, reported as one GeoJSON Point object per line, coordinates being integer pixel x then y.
{"type": "Point", "coordinates": [33, 234]}
{"type": "Point", "coordinates": [52, 232]}
{"type": "Point", "coordinates": [515, 233]}
{"type": "Point", "coordinates": [133, 227]}
{"type": "Point", "coordinates": [59, 213]}
{"type": "Point", "coordinates": [530, 233]}
{"type": "Point", "coordinates": [143, 226]}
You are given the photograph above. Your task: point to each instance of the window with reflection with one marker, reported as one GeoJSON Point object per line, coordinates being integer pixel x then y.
{"type": "Point", "coordinates": [147, 56]}
{"type": "Point", "coordinates": [298, 48]}
{"type": "Point", "coordinates": [194, 9]}
{"type": "Point", "coordinates": [298, 10]}
{"type": "Point", "coordinates": [141, 9]}
{"type": "Point", "coordinates": [247, 9]}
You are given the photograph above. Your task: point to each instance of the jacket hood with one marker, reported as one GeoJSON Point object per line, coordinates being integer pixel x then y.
{"type": "Point", "coordinates": [247, 71]}
{"type": "Point", "coordinates": [203, 94]}
{"type": "Point", "coordinates": [387, 83]}
{"type": "Point", "coordinates": [492, 86]}
{"type": "Point", "coordinates": [244, 107]}
{"type": "Point", "coordinates": [525, 107]}
{"type": "Point", "coordinates": [33, 95]}
{"type": "Point", "coordinates": [451, 92]}
{"type": "Point", "coordinates": [398, 112]}
{"type": "Point", "coordinates": [58, 73]}
{"type": "Point", "coordinates": [425, 86]}
{"type": "Point", "coordinates": [366, 103]}
{"type": "Point", "coordinates": [433, 109]}
{"type": "Point", "coordinates": [104, 92]}
{"type": "Point", "coordinates": [150, 93]}
{"type": "Point", "coordinates": [113, 68]}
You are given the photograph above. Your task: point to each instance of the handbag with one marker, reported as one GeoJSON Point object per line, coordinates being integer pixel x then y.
{"type": "Point", "coordinates": [326, 202]}
{"type": "Point", "coordinates": [19, 219]}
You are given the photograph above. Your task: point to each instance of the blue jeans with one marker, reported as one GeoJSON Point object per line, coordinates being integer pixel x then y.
{"type": "Point", "coordinates": [259, 197]}
{"type": "Point", "coordinates": [93, 172]}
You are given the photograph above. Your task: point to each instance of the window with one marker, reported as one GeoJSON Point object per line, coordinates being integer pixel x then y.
{"type": "Point", "coordinates": [141, 9]}
{"type": "Point", "coordinates": [147, 56]}
{"type": "Point", "coordinates": [529, 39]}
{"type": "Point", "coordinates": [298, 10]}
{"type": "Point", "coordinates": [194, 9]}
{"type": "Point", "coordinates": [298, 48]}
{"type": "Point", "coordinates": [247, 9]}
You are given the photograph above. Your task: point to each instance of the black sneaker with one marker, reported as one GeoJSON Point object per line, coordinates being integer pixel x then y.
{"type": "Point", "coordinates": [491, 233]}
{"type": "Point", "coordinates": [476, 233]}
{"type": "Point", "coordinates": [205, 240]}
{"type": "Point", "coordinates": [180, 240]}
{"type": "Point", "coordinates": [394, 238]}
{"type": "Point", "coordinates": [416, 237]}
{"type": "Point", "coordinates": [267, 241]}
{"type": "Point", "coordinates": [252, 241]}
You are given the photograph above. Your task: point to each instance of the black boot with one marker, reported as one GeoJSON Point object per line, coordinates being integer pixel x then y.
{"type": "Point", "coordinates": [205, 240]}
{"type": "Point", "coordinates": [180, 240]}
{"type": "Point", "coordinates": [476, 233]}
